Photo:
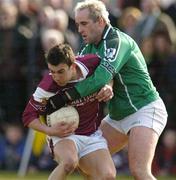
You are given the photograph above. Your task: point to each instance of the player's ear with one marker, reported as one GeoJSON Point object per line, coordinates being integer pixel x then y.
{"type": "Point", "coordinates": [101, 21]}
{"type": "Point", "coordinates": [73, 66]}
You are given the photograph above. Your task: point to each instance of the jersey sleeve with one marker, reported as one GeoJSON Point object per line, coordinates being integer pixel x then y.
{"type": "Point", "coordinates": [116, 53]}
{"type": "Point", "coordinates": [37, 102]}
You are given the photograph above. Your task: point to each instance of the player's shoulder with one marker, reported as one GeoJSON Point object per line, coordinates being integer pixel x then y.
{"type": "Point", "coordinates": [111, 33]}
{"type": "Point", "coordinates": [47, 83]}
{"type": "Point", "coordinates": [88, 59]}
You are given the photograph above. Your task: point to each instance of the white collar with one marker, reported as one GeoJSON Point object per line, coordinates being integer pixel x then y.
{"type": "Point", "coordinates": [84, 71]}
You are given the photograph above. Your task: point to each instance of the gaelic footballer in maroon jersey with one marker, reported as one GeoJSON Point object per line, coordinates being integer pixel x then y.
{"type": "Point", "coordinates": [87, 107]}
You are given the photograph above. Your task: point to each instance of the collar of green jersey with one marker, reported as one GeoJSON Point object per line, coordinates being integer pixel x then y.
{"type": "Point", "coordinates": [106, 31]}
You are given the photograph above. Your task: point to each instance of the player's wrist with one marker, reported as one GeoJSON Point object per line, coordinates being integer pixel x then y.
{"type": "Point", "coordinates": [55, 102]}
{"type": "Point", "coordinates": [72, 94]}
{"type": "Point", "coordinates": [48, 130]}
{"type": "Point", "coordinates": [61, 99]}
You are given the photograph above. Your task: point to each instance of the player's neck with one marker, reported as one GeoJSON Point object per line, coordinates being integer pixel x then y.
{"type": "Point", "coordinates": [77, 74]}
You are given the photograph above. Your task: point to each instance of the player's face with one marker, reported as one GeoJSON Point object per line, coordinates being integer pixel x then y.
{"type": "Point", "coordinates": [90, 31]}
{"type": "Point", "coordinates": [61, 73]}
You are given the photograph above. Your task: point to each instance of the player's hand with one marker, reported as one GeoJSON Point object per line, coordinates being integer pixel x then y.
{"type": "Point", "coordinates": [105, 94]}
{"type": "Point", "coordinates": [62, 129]}
{"type": "Point", "coordinates": [55, 102]}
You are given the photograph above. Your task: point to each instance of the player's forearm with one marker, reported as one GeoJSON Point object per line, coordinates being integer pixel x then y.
{"type": "Point", "coordinates": [60, 129]}
{"type": "Point", "coordinates": [38, 126]}
{"type": "Point", "coordinates": [94, 83]}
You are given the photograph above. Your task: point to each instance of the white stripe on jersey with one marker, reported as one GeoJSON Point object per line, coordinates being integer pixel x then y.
{"type": "Point", "coordinates": [126, 90]}
{"type": "Point", "coordinates": [40, 93]}
{"type": "Point", "coordinates": [118, 44]}
{"type": "Point", "coordinates": [83, 50]}
{"type": "Point", "coordinates": [117, 51]}
{"type": "Point", "coordinates": [104, 37]}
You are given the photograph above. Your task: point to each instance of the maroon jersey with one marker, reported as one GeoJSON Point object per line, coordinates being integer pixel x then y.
{"type": "Point", "coordinates": [88, 107]}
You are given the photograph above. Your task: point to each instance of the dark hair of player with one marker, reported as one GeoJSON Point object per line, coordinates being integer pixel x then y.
{"type": "Point", "coordinates": [61, 53]}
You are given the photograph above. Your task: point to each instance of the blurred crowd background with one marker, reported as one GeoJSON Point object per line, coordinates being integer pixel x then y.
{"type": "Point", "coordinates": [28, 28]}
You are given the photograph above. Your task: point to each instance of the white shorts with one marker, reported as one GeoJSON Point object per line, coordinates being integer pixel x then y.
{"type": "Point", "coordinates": [153, 115]}
{"type": "Point", "coordinates": [85, 144]}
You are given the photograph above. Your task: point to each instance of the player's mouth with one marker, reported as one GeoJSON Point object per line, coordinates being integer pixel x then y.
{"type": "Point", "coordinates": [84, 38]}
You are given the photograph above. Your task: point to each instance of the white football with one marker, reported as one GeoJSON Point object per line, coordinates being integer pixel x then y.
{"type": "Point", "coordinates": [66, 114]}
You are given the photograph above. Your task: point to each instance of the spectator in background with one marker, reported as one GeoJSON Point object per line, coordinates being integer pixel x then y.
{"type": "Point", "coordinates": [49, 38]}
{"type": "Point", "coordinates": [42, 161]}
{"type": "Point", "coordinates": [12, 78]}
{"type": "Point", "coordinates": [128, 20]}
{"type": "Point", "coordinates": [147, 49]}
{"type": "Point", "coordinates": [121, 161]}
{"type": "Point", "coordinates": [169, 7]}
{"type": "Point", "coordinates": [114, 12]}
{"type": "Point", "coordinates": [61, 21]}
{"type": "Point", "coordinates": [165, 160]}
{"type": "Point", "coordinates": [11, 147]}
{"type": "Point", "coordinates": [162, 70]}
{"type": "Point", "coordinates": [67, 6]}
{"type": "Point", "coordinates": [45, 18]}
{"type": "Point", "coordinates": [153, 20]}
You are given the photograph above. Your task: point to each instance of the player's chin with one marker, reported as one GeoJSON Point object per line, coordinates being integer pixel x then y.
{"type": "Point", "coordinates": [86, 41]}
{"type": "Point", "coordinates": [60, 83]}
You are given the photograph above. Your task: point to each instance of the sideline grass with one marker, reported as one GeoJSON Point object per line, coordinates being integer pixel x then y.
{"type": "Point", "coordinates": [44, 176]}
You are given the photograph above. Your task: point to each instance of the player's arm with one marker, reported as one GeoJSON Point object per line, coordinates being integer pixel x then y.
{"type": "Point", "coordinates": [31, 119]}
{"type": "Point", "coordinates": [115, 56]}
{"type": "Point", "coordinates": [36, 108]}
{"type": "Point", "coordinates": [60, 129]}
{"type": "Point", "coordinates": [111, 63]}
{"type": "Point", "coordinates": [94, 83]}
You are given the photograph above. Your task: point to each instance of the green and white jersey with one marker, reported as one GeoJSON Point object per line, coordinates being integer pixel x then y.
{"type": "Point", "coordinates": [122, 61]}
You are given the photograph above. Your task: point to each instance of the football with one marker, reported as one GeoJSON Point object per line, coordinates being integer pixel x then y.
{"type": "Point", "coordinates": [66, 114]}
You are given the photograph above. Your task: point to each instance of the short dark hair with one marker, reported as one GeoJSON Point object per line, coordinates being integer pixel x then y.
{"type": "Point", "coordinates": [61, 53]}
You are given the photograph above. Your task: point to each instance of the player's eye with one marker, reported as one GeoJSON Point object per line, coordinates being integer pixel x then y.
{"type": "Point", "coordinates": [51, 72]}
{"type": "Point", "coordinates": [84, 23]}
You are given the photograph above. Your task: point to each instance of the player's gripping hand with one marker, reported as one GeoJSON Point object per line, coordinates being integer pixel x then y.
{"type": "Point", "coordinates": [62, 129]}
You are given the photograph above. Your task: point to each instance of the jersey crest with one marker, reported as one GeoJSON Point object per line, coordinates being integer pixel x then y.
{"type": "Point", "coordinates": [110, 54]}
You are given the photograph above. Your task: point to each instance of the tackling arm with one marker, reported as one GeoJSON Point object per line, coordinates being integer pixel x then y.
{"type": "Point", "coordinates": [92, 84]}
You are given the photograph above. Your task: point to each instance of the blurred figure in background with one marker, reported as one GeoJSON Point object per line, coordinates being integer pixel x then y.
{"type": "Point", "coordinates": [165, 161]}
{"type": "Point", "coordinates": [61, 21]}
{"type": "Point", "coordinates": [121, 161]}
{"type": "Point", "coordinates": [162, 70]}
{"type": "Point", "coordinates": [12, 62]}
{"type": "Point", "coordinates": [147, 49]}
{"type": "Point", "coordinates": [49, 38]}
{"type": "Point", "coordinates": [153, 19]}
{"type": "Point", "coordinates": [128, 20]}
{"type": "Point", "coordinates": [11, 147]}
{"type": "Point", "coordinates": [169, 7]}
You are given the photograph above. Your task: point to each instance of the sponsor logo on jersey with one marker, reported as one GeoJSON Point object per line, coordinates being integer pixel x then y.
{"type": "Point", "coordinates": [84, 100]}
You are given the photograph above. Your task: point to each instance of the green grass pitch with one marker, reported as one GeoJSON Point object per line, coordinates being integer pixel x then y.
{"type": "Point", "coordinates": [44, 176]}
